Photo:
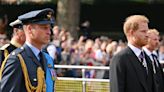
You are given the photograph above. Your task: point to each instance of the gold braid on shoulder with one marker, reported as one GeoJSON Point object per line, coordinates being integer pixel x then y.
{"type": "Point", "coordinates": [41, 87]}
{"type": "Point", "coordinates": [6, 53]}
{"type": "Point", "coordinates": [2, 66]}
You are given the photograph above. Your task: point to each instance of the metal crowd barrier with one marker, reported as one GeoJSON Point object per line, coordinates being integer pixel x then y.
{"type": "Point", "coordinates": [67, 84]}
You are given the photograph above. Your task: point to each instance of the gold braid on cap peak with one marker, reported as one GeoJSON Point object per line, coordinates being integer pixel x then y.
{"type": "Point", "coordinates": [49, 15]}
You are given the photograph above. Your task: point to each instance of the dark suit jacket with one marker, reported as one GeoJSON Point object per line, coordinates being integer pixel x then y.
{"type": "Point", "coordinates": [159, 81]}
{"type": "Point", "coordinates": [127, 75]}
{"type": "Point", "coordinates": [159, 78]}
{"type": "Point", "coordinates": [12, 77]}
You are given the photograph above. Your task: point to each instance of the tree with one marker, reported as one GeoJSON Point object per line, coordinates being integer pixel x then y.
{"type": "Point", "coordinates": [68, 12]}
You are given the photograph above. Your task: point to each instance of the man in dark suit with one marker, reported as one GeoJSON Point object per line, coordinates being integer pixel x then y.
{"type": "Point", "coordinates": [28, 69]}
{"type": "Point", "coordinates": [130, 71]}
{"type": "Point", "coordinates": [17, 40]}
{"type": "Point", "coordinates": [150, 48]}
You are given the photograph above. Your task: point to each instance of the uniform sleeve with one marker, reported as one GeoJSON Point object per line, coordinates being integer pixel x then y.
{"type": "Point", "coordinates": [11, 75]}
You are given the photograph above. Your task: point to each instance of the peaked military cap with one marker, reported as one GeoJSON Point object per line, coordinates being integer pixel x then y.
{"type": "Point", "coordinates": [16, 24]}
{"type": "Point", "coordinates": [44, 16]}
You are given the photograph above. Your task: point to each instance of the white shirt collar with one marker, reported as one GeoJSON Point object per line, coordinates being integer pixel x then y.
{"type": "Point", "coordinates": [148, 52]}
{"type": "Point", "coordinates": [155, 52]}
{"type": "Point", "coordinates": [34, 49]}
{"type": "Point", "coordinates": [136, 50]}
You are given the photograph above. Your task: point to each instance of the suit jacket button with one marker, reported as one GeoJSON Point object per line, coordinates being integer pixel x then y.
{"type": "Point", "coordinates": [34, 79]}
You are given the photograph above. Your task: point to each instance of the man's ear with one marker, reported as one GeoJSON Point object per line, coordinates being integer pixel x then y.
{"type": "Point", "coordinates": [28, 29]}
{"type": "Point", "coordinates": [15, 30]}
{"type": "Point", "coordinates": [131, 32]}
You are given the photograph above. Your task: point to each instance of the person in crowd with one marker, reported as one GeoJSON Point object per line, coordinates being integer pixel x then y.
{"type": "Point", "coordinates": [3, 39]}
{"type": "Point", "coordinates": [149, 48]}
{"type": "Point", "coordinates": [86, 30]}
{"type": "Point", "coordinates": [130, 69]}
{"type": "Point", "coordinates": [161, 52]}
{"type": "Point", "coordinates": [28, 69]}
{"type": "Point", "coordinates": [102, 58]}
{"type": "Point", "coordinates": [3, 23]}
{"type": "Point", "coordinates": [18, 39]}
{"type": "Point", "coordinates": [53, 48]}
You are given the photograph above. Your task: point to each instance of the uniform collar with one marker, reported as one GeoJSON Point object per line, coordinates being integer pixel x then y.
{"type": "Point", "coordinates": [34, 49]}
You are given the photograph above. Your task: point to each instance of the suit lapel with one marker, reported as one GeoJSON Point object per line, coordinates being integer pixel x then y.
{"type": "Point", "coordinates": [160, 68]}
{"type": "Point", "coordinates": [149, 63]}
{"type": "Point", "coordinates": [138, 68]}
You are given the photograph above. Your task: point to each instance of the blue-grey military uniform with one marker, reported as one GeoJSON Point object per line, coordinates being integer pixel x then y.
{"type": "Point", "coordinates": [13, 71]}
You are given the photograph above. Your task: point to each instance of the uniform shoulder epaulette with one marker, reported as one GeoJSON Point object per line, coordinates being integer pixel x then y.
{"type": "Point", "coordinates": [4, 46]}
{"type": "Point", "coordinates": [17, 51]}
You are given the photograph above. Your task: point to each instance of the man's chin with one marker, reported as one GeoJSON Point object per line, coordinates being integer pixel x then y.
{"type": "Point", "coordinates": [144, 44]}
{"type": "Point", "coordinates": [47, 41]}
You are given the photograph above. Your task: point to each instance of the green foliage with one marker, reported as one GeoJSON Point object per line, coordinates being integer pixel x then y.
{"type": "Point", "coordinates": [88, 1]}
{"type": "Point", "coordinates": [139, 1]}
{"type": "Point", "coordinates": [54, 1]}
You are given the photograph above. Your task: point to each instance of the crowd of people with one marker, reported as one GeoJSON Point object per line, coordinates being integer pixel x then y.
{"type": "Point", "coordinates": [65, 50]}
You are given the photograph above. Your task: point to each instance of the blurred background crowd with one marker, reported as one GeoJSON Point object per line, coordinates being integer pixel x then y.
{"type": "Point", "coordinates": [85, 49]}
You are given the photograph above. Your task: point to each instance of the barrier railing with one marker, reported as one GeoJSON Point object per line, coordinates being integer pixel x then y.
{"type": "Point", "coordinates": [103, 83]}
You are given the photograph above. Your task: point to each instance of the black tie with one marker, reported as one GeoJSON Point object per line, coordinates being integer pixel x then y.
{"type": "Point", "coordinates": [155, 58]}
{"type": "Point", "coordinates": [142, 57]}
{"type": "Point", "coordinates": [154, 63]}
{"type": "Point", "coordinates": [41, 60]}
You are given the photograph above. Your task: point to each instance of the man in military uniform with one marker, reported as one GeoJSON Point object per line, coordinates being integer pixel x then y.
{"type": "Point", "coordinates": [28, 69]}
{"type": "Point", "coordinates": [18, 39]}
